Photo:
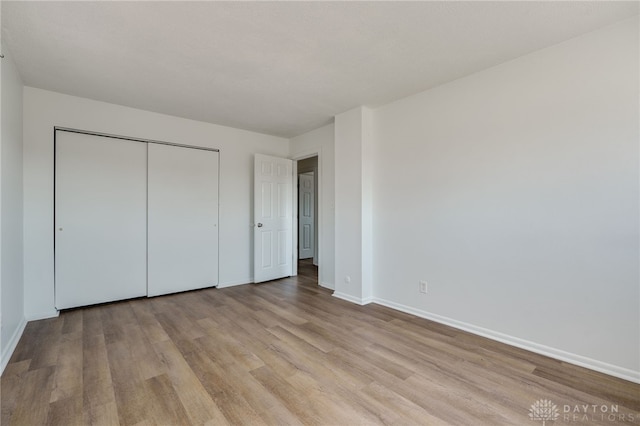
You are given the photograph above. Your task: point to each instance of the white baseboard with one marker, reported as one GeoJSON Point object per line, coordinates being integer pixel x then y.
{"type": "Point", "coordinates": [326, 285]}
{"type": "Point", "coordinates": [235, 283]}
{"type": "Point", "coordinates": [43, 315]}
{"type": "Point", "coordinates": [352, 299]}
{"type": "Point", "coordinates": [7, 351]}
{"type": "Point", "coordinates": [582, 361]}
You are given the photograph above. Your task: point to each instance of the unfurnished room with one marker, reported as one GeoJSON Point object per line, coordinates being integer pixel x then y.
{"type": "Point", "coordinates": [320, 213]}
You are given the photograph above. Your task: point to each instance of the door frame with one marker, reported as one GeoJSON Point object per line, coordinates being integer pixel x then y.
{"type": "Point", "coordinates": [315, 152]}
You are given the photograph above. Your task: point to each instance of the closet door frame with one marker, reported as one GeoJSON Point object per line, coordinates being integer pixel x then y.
{"type": "Point", "coordinates": [126, 138]}
{"type": "Point", "coordinates": [133, 139]}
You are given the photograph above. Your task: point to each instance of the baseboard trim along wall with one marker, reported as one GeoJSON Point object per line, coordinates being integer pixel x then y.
{"type": "Point", "coordinates": [352, 299]}
{"type": "Point", "coordinates": [579, 360]}
{"type": "Point", "coordinates": [43, 315]}
{"type": "Point", "coordinates": [12, 344]}
{"type": "Point", "coordinates": [326, 285]}
{"type": "Point", "coordinates": [235, 283]}
{"type": "Point", "coordinates": [15, 338]}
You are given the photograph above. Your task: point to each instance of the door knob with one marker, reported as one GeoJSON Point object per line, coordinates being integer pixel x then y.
{"type": "Point", "coordinates": [259, 225]}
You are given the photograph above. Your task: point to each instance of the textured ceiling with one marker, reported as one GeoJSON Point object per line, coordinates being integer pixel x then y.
{"type": "Point", "coordinates": [281, 68]}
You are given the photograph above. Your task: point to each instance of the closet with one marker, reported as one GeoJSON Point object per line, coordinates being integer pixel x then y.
{"type": "Point", "coordinates": [132, 218]}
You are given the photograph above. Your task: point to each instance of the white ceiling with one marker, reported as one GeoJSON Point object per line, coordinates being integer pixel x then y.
{"type": "Point", "coordinates": [280, 68]}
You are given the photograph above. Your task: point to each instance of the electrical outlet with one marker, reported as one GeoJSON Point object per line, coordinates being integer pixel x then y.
{"type": "Point", "coordinates": [347, 279]}
{"type": "Point", "coordinates": [423, 287]}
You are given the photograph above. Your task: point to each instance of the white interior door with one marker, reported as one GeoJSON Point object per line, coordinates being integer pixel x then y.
{"type": "Point", "coordinates": [306, 219]}
{"type": "Point", "coordinates": [100, 219]}
{"type": "Point", "coordinates": [273, 202]}
{"type": "Point", "coordinates": [182, 219]}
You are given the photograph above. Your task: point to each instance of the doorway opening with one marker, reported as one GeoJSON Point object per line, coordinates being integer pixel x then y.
{"type": "Point", "coordinates": [308, 217]}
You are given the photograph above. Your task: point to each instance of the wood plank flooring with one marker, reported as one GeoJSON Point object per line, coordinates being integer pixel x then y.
{"type": "Point", "coordinates": [286, 352]}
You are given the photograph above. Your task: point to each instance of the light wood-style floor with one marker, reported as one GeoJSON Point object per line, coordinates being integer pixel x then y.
{"type": "Point", "coordinates": [284, 352]}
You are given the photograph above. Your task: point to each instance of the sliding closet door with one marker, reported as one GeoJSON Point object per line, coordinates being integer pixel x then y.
{"type": "Point", "coordinates": [182, 219]}
{"type": "Point", "coordinates": [100, 219]}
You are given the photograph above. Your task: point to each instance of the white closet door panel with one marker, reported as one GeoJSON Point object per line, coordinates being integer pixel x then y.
{"type": "Point", "coordinates": [182, 219]}
{"type": "Point", "coordinates": [100, 219]}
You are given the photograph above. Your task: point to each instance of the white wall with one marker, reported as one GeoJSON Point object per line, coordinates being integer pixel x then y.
{"type": "Point", "coordinates": [43, 110]}
{"type": "Point", "coordinates": [354, 213]}
{"type": "Point", "coordinates": [514, 193]}
{"type": "Point", "coordinates": [321, 142]}
{"type": "Point", "coordinates": [11, 277]}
